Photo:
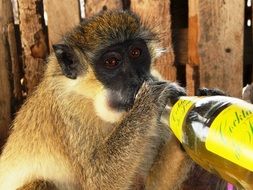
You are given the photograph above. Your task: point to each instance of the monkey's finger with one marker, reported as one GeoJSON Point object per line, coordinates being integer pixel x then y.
{"type": "Point", "coordinates": [209, 92]}
{"type": "Point", "coordinates": [148, 88]}
{"type": "Point", "coordinates": [172, 93]}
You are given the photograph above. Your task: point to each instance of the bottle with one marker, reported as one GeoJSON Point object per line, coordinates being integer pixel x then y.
{"type": "Point", "coordinates": [217, 133]}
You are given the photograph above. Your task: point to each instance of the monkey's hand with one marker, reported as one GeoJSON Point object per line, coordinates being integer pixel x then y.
{"type": "Point", "coordinates": [171, 165]}
{"type": "Point", "coordinates": [159, 93]}
{"type": "Point", "coordinates": [132, 143]}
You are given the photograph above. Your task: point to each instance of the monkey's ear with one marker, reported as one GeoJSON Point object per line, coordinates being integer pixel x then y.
{"type": "Point", "coordinates": [67, 59]}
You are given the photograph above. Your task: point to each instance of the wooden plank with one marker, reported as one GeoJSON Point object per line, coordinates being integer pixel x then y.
{"type": "Point", "coordinates": [180, 38]}
{"type": "Point", "coordinates": [62, 15]}
{"type": "Point", "coordinates": [95, 6]}
{"type": "Point", "coordinates": [15, 68]}
{"type": "Point", "coordinates": [220, 43]}
{"type": "Point", "coordinates": [5, 62]}
{"type": "Point", "coordinates": [192, 79]}
{"type": "Point", "coordinates": [192, 69]}
{"type": "Point", "coordinates": [193, 33]}
{"type": "Point", "coordinates": [158, 13]}
{"type": "Point", "coordinates": [33, 41]}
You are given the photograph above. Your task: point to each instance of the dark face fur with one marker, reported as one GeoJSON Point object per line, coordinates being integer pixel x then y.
{"type": "Point", "coordinates": [122, 68]}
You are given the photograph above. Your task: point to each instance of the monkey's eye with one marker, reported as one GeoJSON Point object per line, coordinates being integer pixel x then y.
{"type": "Point", "coordinates": [111, 62]}
{"type": "Point", "coordinates": [135, 52]}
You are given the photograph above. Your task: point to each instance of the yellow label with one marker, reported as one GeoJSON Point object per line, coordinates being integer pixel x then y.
{"type": "Point", "coordinates": [231, 135]}
{"type": "Point", "coordinates": [178, 114]}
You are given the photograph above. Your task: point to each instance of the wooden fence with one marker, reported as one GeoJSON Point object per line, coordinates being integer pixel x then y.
{"type": "Point", "coordinates": [209, 42]}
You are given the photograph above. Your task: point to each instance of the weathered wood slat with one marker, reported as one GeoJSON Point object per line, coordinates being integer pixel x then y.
{"type": "Point", "coordinates": [95, 6]}
{"type": "Point", "coordinates": [192, 79]}
{"type": "Point", "coordinates": [193, 33]}
{"type": "Point", "coordinates": [158, 13]}
{"type": "Point", "coordinates": [62, 16]}
{"type": "Point", "coordinates": [33, 41]}
{"type": "Point", "coordinates": [192, 69]}
{"type": "Point", "coordinates": [6, 18]}
{"type": "Point", "coordinates": [219, 30]}
{"type": "Point", "coordinates": [181, 45]}
{"type": "Point", "coordinates": [15, 66]}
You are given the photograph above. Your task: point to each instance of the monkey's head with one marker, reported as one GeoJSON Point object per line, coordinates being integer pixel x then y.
{"type": "Point", "coordinates": [107, 58]}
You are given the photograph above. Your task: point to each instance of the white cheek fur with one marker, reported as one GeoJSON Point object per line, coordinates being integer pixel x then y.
{"type": "Point", "coordinates": [104, 111]}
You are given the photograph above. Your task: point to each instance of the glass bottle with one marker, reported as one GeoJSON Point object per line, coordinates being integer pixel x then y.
{"type": "Point", "coordinates": [217, 133]}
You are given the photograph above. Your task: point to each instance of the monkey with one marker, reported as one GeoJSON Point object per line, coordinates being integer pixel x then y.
{"type": "Point", "coordinates": [38, 185]}
{"type": "Point", "coordinates": [94, 120]}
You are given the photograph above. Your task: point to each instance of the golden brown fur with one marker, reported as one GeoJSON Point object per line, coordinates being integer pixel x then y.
{"type": "Point", "coordinates": [60, 137]}
{"type": "Point", "coordinates": [38, 185]}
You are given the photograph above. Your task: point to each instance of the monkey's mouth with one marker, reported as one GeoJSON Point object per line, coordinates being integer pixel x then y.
{"type": "Point", "coordinates": [119, 105]}
{"type": "Point", "coordinates": [122, 101]}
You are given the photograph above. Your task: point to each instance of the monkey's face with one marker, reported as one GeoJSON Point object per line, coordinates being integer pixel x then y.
{"type": "Point", "coordinates": [122, 68]}
{"type": "Point", "coordinates": [109, 56]}
{"type": "Point", "coordinates": [112, 78]}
